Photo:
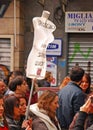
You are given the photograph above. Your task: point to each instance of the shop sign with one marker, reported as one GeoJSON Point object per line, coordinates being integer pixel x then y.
{"type": "Point", "coordinates": [79, 21]}
{"type": "Point", "coordinates": [55, 48]}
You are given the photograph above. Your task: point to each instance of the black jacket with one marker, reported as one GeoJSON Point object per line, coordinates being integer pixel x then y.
{"type": "Point", "coordinates": [81, 121]}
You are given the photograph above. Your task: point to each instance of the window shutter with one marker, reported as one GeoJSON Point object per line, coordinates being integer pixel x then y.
{"type": "Point", "coordinates": [81, 52]}
{"type": "Point", "coordinates": [5, 52]}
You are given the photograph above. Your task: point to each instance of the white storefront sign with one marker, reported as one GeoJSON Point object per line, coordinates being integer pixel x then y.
{"type": "Point", "coordinates": [79, 21]}
{"type": "Point", "coordinates": [55, 48]}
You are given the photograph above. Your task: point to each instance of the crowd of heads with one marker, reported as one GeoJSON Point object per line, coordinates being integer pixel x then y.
{"type": "Point", "coordinates": [15, 92]}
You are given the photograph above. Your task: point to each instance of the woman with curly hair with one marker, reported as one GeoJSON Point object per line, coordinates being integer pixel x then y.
{"type": "Point", "coordinates": [43, 113]}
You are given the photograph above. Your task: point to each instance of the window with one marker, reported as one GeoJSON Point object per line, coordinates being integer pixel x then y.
{"type": "Point", "coordinates": [5, 52]}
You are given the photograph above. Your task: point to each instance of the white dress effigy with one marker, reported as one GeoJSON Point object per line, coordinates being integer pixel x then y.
{"type": "Point", "coordinates": [43, 35]}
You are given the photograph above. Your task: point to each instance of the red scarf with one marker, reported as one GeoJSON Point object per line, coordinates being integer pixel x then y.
{"type": "Point", "coordinates": [3, 128]}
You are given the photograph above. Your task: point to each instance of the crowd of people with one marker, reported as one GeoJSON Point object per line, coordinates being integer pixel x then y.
{"type": "Point", "coordinates": [68, 109]}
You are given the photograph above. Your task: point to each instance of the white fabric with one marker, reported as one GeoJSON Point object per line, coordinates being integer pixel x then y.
{"type": "Point", "coordinates": [43, 35]}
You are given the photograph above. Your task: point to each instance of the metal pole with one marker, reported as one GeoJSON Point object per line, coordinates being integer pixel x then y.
{"type": "Point", "coordinates": [29, 101]}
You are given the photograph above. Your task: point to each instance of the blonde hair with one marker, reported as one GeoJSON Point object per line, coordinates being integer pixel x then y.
{"type": "Point", "coordinates": [64, 82]}
{"type": "Point", "coordinates": [47, 75]}
{"type": "Point", "coordinates": [45, 101]}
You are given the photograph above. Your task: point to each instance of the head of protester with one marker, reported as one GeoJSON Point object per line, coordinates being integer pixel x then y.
{"type": "Point", "coordinates": [76, 74]}
{"type": "Point", "coordinates": [4, 88]}
{"type": "Point", "coordinates": [12, 110]}
{"type": "Point", "coordinates": [19, 85]}
{"type": "Point", "coordinates": [12, 75]}
{"type": "Point", "coordinates": [44, 112]}
{"type": "Point", "coordinates": [3, 122]}
{"type": "Point", "coordinates": [46, 82]}
{"type": "Point", "coordinates": [85, 83]}
{"type": "Point", "coordinates": [23, 104]}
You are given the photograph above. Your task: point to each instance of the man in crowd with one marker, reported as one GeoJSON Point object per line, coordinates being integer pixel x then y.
{"type": "Point", "coordinates": [71, 98]}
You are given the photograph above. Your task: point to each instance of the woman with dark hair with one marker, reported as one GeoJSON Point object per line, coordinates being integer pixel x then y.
{"type": "Point", "coordinates": [3, 122]}
{"type": "Point", "coordinates": [13, 114]}
{"type": "Point", "coordinates": [43, 113]}
{"type": "Point", "coordinates": [22, 105]}
{"type": "Point", "coordinates": [85, 83]}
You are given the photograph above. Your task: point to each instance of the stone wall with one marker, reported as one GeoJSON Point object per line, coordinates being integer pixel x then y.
{"type": "Point", "coordinates": [7, 27]}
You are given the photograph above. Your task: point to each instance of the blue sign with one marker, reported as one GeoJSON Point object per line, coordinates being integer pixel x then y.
{"type": "Point", "coordinates": [55, 48]}
{"type": "Point", "coordinates": [52, 46]}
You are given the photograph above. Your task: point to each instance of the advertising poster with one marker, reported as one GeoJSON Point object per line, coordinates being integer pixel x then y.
{"type": "Point", "coordinates": [52, 67]}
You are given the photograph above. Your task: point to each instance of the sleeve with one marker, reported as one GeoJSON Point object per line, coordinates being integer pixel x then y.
{"type": "Point", "coordinates": [71, 126]}
{"type": "Point", "coordinates": [80, 121]}
{"type": "Point", "coordinates": [59, 112]}
{"type": "Point", "coordinates": [90, 120]}
{"type": "Point", "coordinates": [78, 101]}
{"type": "Point", "coordinates": [38, 124]}
{"type": "Point", "coordinates": [90, 128]}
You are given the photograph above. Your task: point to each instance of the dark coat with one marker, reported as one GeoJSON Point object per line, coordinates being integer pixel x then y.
{"type": "Point", "coordinates": [38, 124]}
{"type": "Point", "coordinates": [88, 121]}
{"type": "Point", "coordinates": [80, 122]}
